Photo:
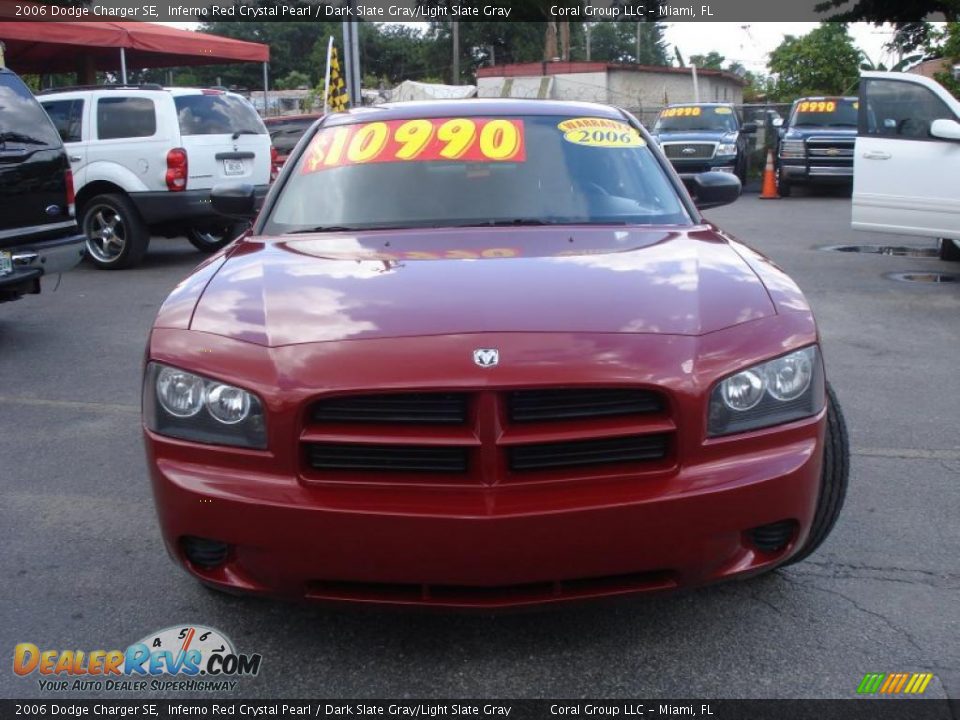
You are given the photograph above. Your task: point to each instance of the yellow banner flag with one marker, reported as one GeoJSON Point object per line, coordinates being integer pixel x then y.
{"type": "Point", "coordinates": [337, 99]}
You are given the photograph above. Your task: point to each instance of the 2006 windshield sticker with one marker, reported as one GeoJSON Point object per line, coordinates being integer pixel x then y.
{"type": "Point", "coordinates": [475, 140]}
{"type": "Point", "coordinates": [600, 132]}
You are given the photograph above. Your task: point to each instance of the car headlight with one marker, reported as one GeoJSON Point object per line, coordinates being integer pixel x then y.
{"type": "Point", "coordinates": [793, 149]}
{"type": "Point", "coordinates": [184, 405]}
{"type": "Point", "coordinates": [727, 148]}
{"type": "Point", "coordinates": [781, 390]}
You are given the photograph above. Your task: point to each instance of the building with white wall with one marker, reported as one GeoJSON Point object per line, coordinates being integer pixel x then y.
{"type": "Point", "coordinates": [636, 87]}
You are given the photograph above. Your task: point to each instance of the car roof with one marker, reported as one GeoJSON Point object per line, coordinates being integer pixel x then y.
{"type": "Point", "coordinates": [473, 107]}
{"type": "Point", "coordinates": [825, 97]}
{"type": "Point", "coordinates": [701, 104]}
{"type": "Point", "coordinates": [278, 119]}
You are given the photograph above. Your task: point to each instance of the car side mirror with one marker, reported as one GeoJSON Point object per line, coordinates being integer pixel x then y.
{"type": "Point", "coordinates": [945, 129]}
{"type": "Point", "coordinates": [749, 128]}
{"type": "Point", "coordinates": [777, 122]}
{"type": "Point", "coordinates": [713, 189]}
{"type": "Point", "coordinates": [234, 200]}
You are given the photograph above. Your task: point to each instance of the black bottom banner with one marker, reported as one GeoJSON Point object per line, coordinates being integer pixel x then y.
{"type": "Point", "coordinates": [891, 709]}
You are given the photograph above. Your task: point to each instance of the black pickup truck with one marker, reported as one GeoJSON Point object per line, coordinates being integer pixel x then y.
{"type": "Point", "coordinates": [704, 137]}
{"type": "Point", "coordinates": [38, 231]}
{"type": "Point", "coordinates": [816, 144]}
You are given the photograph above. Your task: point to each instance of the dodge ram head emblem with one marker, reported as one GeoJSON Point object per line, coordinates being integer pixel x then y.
{"type": "Point", "coordinates": [486, 357]}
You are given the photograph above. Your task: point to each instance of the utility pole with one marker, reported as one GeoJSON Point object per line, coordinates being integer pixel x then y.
{"type": "Point", "coordinates": [456, 53]}
{"type": "Point", "coordinates": [587, 27]}
{"type": "Point", "coordinates": [637, 56]}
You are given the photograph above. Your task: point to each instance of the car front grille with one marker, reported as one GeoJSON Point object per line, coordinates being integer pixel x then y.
{"type": "Point", "coordinates": [689, 151]}
{"type": "Point", "coordinates": [486, 437]}
{"type": "Point", "coordinates": [838, 150]}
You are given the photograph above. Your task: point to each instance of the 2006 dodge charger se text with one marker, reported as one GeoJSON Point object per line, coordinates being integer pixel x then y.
{"type": "Point", "coordinates": [481, 354]}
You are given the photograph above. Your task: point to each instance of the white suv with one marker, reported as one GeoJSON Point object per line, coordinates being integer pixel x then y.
{"type": "Point", "coordinates": [145, 158]}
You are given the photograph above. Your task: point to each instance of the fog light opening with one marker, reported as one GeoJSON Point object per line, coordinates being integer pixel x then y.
{"type": "Point", "coordinates": [773, 538]}
{"type": "Point", "coordinates": [204, 552]}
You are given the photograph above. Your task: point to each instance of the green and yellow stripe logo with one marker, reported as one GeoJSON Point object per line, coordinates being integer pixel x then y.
{"type": "Point", "coordinates": [894, 683]}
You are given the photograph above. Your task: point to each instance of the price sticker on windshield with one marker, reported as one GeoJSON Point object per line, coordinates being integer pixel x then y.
{"type": "Point", "coordinates": [474, 140]}
{"type": "Point", "coordinates": [682, 112]}
{"type": "Point", "coordinates": [817, 106]}
{"type": "Point", "coordinates": [722, 111]}
{"type": "Point", "coordinates": [600, 132]}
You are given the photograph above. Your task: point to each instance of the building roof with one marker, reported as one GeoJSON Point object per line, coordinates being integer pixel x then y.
{"type": "Point", "coordinates": [566, 68]}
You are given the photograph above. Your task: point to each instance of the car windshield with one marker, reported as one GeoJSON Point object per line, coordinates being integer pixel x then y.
{"type": "Point", "coordinates": [475, 171]}
{"type": "Point", "coordinates": [217, 114]}
{"type": "Point", "coordinates": [704, 118]}
{"type": "Point", "coordinates": [825, 112]}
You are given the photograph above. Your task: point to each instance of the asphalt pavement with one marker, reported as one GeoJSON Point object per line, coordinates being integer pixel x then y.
{"type": "Point", "coordinates": [82, 565]}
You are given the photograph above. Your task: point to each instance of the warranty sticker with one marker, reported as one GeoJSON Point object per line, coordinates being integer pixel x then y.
{"type": "Point", "coordinates": [600, 132]}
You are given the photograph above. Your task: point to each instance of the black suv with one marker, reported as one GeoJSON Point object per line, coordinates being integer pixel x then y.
{"type": "Point", "coordinates": [38, 232]}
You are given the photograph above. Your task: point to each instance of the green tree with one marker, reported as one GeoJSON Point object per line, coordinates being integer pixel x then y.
{"type": "Point", "coordinates": [822, 62]}
{"type": "Point", "coordinates": [480, 44]}
{"type": "Point", "coordinates": [293, 80]}
{"type": "Point", "coordinates": [711, 61]}
{"type": "Point", "coordinates": [617, 42]}
{"type": "Point", "coordinates": [950, 52]}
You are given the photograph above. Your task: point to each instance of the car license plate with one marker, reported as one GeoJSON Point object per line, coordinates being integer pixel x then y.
{"type": "Point", "coordinates": [6, 263]}
{"type": "Point", "coordinates": [233, 167]}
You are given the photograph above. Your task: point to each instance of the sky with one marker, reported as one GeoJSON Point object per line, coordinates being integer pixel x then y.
{"type": "Point", "coordinates": [748, 44]}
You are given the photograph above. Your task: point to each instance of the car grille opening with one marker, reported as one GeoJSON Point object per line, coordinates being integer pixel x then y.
{"type": "Point", "coordinates": [386, 458]}
{"type": "Point", "coordinates": [492, 595]}
{"type": "Point", "coordinates": [417, 408]}
{"type": "Point", "coordinates": [689, 151]}
{"type": "Point", "coordinates": [541, 456]}
{"type": "Point", "coordinates": [773, 537]}
{"type": "Point", "coordinates": [203, 552]}
{"type": "Point", "coordinates": [572, 404]}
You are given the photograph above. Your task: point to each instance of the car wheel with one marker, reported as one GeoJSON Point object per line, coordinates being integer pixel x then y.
{"type": "Point", "coordinates": [833, 479]}
{"type": "Point", "coordinates": [949, 249]}
{"type": "Point", "coordinates": [116, 235]}
{"type": "Point", "coordinates": [783, 186]}
{"type": "Point", "coordinates": [211, 239]}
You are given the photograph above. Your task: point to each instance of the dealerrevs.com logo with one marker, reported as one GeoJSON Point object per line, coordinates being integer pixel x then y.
{"type": "Point", "coordinates": [179, 658]}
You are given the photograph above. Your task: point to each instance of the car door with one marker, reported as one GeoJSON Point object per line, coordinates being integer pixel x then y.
{"type": "Point", "coordinates": [905, 176]}
{"type": "Point", "coordinates": [69, 117]}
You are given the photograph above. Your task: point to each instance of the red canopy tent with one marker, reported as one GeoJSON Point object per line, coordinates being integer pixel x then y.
{"type": "Point", "coordinates": [84, 47]}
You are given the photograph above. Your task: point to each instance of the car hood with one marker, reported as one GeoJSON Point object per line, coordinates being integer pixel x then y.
{"type": "Point", "coordinates": [328, 287]}
{"type": "Point", "coordinates": [698, 136]}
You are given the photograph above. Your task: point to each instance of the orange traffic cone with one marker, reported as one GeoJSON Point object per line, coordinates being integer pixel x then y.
{"type": "Point", "coordinates": [769, 191]}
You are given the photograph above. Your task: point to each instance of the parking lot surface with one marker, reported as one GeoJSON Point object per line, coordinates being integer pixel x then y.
{"type": "Point", "coordinates": [83, 565]}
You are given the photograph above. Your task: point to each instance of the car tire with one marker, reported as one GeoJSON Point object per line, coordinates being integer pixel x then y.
{"type": "Point", "coordinates": [950, 249]}
{"type": "Point", "coordinates": [783, 186]}
{"type": "Point", "coordinates": [117, 237]}
{"type": "Point", "coordinates": [211, 239]}
{"type": "Point", "coordinates": [833, 479]}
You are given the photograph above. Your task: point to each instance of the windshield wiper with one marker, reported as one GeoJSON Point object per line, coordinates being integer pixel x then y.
{"type": "Point", "coordinates": [323, 229]}
{"type": "Point", "coordinates": [506, 223]}
{"type": "Point", "coordinates": [10, 136]}
{"type": "Point", "coordinates": [238, 133]}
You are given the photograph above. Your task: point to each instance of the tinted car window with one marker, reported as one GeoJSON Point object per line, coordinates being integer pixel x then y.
{"type": "Point", "coordinates": [125, 117]}
{"type": "Point", "coordinates": [217, 115]}
{"type": "Point", "coordinates": [825, 112]}
{"type": "Point", "coordinates": [903, 109]}
{"type": "Point", "coordinates": [686, 119]}
{"type": "Point", "coordinates": [23, 123]}
{"type": "Point", "coordinates": [286, 135]}
{"type": "Point", "coordinates": [555, 180]}
{"type": "Point", "coordinates": [67, 117]}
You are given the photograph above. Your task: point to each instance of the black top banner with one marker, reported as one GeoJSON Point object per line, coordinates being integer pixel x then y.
{"type": "Point", "coordinates": [465, 10]}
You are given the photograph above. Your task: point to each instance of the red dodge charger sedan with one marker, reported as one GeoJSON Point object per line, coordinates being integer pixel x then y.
{"type": "Point", "coordinates": [482, 354]}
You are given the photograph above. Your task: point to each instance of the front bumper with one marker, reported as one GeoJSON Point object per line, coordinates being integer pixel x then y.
{"type": "Point", "coordinates": [158, 208]}
{"type": "Point", "coordinates": [681, 524]}
{"type": "Point", "coordinates": [32, 260]}
{"type": "Point", "coordinates": [804, 172]}
{"type": "Point", "coordinates": [686, 168]}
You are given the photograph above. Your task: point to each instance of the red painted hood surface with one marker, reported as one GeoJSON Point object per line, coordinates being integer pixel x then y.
{"type": "Point", "coordinates": [324, 287]}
